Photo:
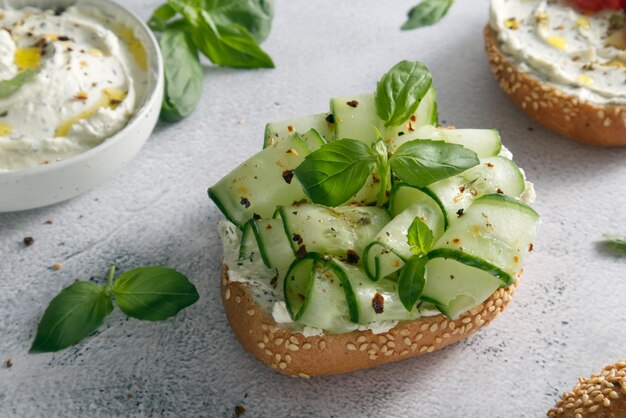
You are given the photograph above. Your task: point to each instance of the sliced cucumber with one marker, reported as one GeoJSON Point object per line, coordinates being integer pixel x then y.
{"type": "Point", "coordinates": [277, 131]}
{"type": "Point", "coordinates": [494, 233]}
{"type": "Point", "coordinates": [273, 244]}
{"type": "Point", "coordinates": [261, 183]}
{"type": "Point", "coordinates": [492, 175]}
{"type": "Point", "coordinates": [343, 231]}
{"type": "Point", "coordinates": [390, 249]}
{"type": "Point", "coordinates": [484, 142]}
{"type": "Point", "coordinates": [455, 287]}
{"type": "Point", "coordinates": [248, 246]}
{"type": "Point", "coordinates": [356, 118]}
{"type": "Point", "coordinates": [313, 140]}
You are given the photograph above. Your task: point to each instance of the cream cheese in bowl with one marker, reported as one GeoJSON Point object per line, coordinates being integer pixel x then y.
{"type": "Point", "coordinates": [91, 97]}
{"type": "Point", "coordinates": [89, 76]}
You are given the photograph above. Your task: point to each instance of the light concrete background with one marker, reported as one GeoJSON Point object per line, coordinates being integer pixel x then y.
{"type": "Point", "coordinates": [567, 318]}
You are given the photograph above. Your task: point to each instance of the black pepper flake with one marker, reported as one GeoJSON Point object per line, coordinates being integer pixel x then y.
{"type": "Point", "coordinates": [353, 103]}
{"type": "Point", "coordinates": [59, 11]}
{"type": "Point", "coordinates": [499, 190]}
{"type": "Point", "coordinates": [459, 212]}
{"type": "Point", "coordinates": [245, 202]}
{"type": "Point", "coordinates": [400, 133]}
{"type": "Point", "coordinates": [273, 281]}
{"type": "Point", "coordinates": [256, 216]}
{"type": "Point", "coordinates": [301, 252]}
{"type": "Point", "coordinates": [64, 38]}
{"type": "Point", "coordinates": [530, 247]}
{"type": "Point", "coordinates": [378, 303]}
{"type": "Point", "coordinates": [239, 411]}
{"type": "Point", "coordinates": [353, 257]}
{"type": "Point", "coordinates": [297, 238]}
{"type": "Point", "coordinates": [4, 114]}
{"type": "Point", "coordinates": [8, 362]}
{"type": "Point", "coordinates": [48, 222]}
{"type": "Point", "coordinates": [365, 221]}
{"type": "Point", "coordinates": [330, 118]}
{"type": "Point", "coordinates": [288, 176]}
{"type": "Point", "coordinates": [28, 241]}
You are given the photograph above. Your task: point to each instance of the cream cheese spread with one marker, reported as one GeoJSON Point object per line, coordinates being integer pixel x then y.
{"type": "Point", "coordinates": [90, 76]}
{"type": "Point", "coordinates": [585, 55]}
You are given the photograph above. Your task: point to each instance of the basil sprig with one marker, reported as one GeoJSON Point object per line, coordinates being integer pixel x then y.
{"type": "Point", "coordinates": [616, 243]}
{"type": "Point", "coordinates": [420, 237]}
{"type": "Point", "coordinates": [336, 171]}
{"type": "Point", "coordinates": [8, 87]}
{"type": "Point", "coordinates": [412, 281]}
{"type": "Point", "coordinates": [227, 32]}
{"type": "Point", "coordinates": [149, 293]}
{"type": "Point", "coordinates": [426, 13]}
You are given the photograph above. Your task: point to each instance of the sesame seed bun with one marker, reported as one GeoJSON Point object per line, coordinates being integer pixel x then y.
{"type": "Point", "coordinates": [601, 395]}
{"type": "Point", "coordinates": [293, 354]}
{"type": "Point", "coordinates": [595, 124]}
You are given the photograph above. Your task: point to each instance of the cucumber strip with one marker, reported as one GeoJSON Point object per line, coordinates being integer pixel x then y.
{"type": "Point", "coordinates": [356, 118]}
{"type": "Point", "coordinates": [248, 246]}
{"type": "Point", "coordinates": [323, 123]}
{"type": "Point", "coordinates": [484, 142]}
{"type": "Point", "coordinates": [376, 301]}
{"type": "Point", "coordinates": [273, 244]}
{"type": "Point", "coordinates": [313, 140]}
{"type": "Point", "coordinates": [318, 294]}
{"type": "Point", "coordinates": [261, 183]}
{"type": "Point", "coordinates": [492, 175]}
{"type": "Point", "coordinates": [404, 196]}
{"type": "Point", "coordinates": [495, 233]}
{"type": "Point", "coordinates": [454, 286]}
{"type": "Point", "coordinates": [390, 249]}
{"type": "Point", "coordinates": [342, 231]}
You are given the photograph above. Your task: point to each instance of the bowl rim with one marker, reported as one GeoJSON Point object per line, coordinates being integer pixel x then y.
{"type": "Point", "coordinates": [152, 48]}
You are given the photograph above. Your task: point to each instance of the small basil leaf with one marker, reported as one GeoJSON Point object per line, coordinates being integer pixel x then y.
{"type": "Point", "coordinates": [412, 281]}
{"type": "Point", "coordinates": [427, 13]}
{"type": "Point", "coordinates": [228, 45]}
{"type": "Point", "coordinates": [183, 75]}
{"type": "Point", "coordinates": [336, 171]}
{"type": "Point", "coordinates": [400, 90]}
{"type": "Point", "coordinates": [160, 17]}
{"type": "Point", "coordinates": [72, 315]}
{"type": "Point", "coordinates": [254, 15]}
{"type": "Point", "coordinates": [420, 237]}
{"type": "Point", "coordinates": [421, 162]}
{"type": "Point", "coordinates": [616, 243]}
{"type": "Point", "coordinates": [8, 87]}
{"type": "Point", "coordinates": [153, 293]}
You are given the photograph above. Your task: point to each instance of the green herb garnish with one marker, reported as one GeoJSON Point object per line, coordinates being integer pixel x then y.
{"type": "Point", "coordinates": [227, 32]}
{"type": "Point", "coordinates": [420, 237]}
{"type": "Point", "coordinates": [615, 242]}
{"type": "Point", "coordinates": [148, 293]}
{"type": "Point", "coordinates": [412, 281]}
{"type": "Point", "coordinates": [427, 13]}
{"type": "Point", "coordinates": [8, 87]}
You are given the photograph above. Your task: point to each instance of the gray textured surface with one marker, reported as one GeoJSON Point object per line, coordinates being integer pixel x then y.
{"type": "Point", "coordinates": [567, 318]}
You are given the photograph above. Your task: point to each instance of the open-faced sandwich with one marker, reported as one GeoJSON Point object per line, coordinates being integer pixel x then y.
{"type": "Point", "coordinates": [369, 234]}
{"type": "Point", "coordinates": [564, 63]}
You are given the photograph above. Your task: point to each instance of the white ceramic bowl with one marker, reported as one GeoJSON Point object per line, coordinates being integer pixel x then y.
{"type": "Point", "coordinates": [47, 184]}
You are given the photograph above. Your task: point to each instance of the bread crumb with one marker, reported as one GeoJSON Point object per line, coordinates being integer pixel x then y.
{"type": "Point", "coordinates": [57, 266]}
{"type": "Point", "coordinates": [239, 411]}
{"type": "Point", "coordinates": [8, 362]}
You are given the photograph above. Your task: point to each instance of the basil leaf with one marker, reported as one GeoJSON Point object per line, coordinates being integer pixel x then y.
{"type": "Point", "coordinates": [160, 17]}
{"type": "Point", "coordinates": [400, 90]}
{"type": "Point", "coordinates": [420, 237]}
{"type": "Point", "coordinates": [421, 162]}
{"type": "Point", "coordinates": [183, 75]}
{"type": "Point", "coordinates": [8, 87]}
{"type": "Point", "coordinates": [412, 281]}
{"type": "Point", "coordinates": [228, 45]}
{"type": "Point", "coordinates": [153, 293]}
{"type": "Point", "coordinates": [336, 171]}
{"type": "Point", "coordinates": [72, 315]}
{"type": "Point", "coordinates": [615, 242]}
{"type": "Point", "coordinates": [427, 13]}
{"type": "Point", "coordinates": [254, 15]}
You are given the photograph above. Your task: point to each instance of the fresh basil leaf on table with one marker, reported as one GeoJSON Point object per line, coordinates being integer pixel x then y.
{"type": "Point", "coordinates": [8, 87]}
{"type": "Point", "coordinates": [160, 17]}
{"type": "Point", "coordinates": [72, 315]}
{"type": "Point", "coordinates": [336, 172]}
{"type": "Point", "coordinates": [426, 13]}
{"type": "Point", "coordinates": [150, 293]}
{"type": "Point", "coordinates": [400, 91]}
{"type": "Point", "coordinates": [412, 281]}
{"type": "Point", "coordinates": [615, 242]}
{"type": "Point", "coordinates": [254, 15]}
{"type": "Point", "coordinates": [153, 293]}
{"type": "Point", "coordinates": [422, 162]}
{"type": "Point", "coordinates": [183, 75]}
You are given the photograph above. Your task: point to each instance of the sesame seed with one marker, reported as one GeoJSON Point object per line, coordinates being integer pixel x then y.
{"type": "Point", "coordinates": [261, 345]}
{"type": "Point", "coordinates": [419, 337]}
{"type": "Point", "coordinates": [407, 341]}
{"type": "Point", "coordinates": [282, 365]}
{"type": "Point", "coordinates": [363, 347]}
{"type": "Point", "coordinates": [373, 356]}
{"type": "Point", "coordinates": [237, 299]}
{"type": "Point", "coordinates": [250, 312]}
{"type": "Point", "coordinates": [404, 352]}
{"type": "Point", "coordinates": [351, 347]}
{"type": "Point", "coordinates": [321, 344]}
{"type": "Point", "coordinates": [361, 339]}
{"type": "Point", "coordinates": [227, 294]}
{"type": "Point", "coordinates": [293, 347]}
{"type": "Point", "coordinates": [306, 346]}
{"type": "Point", "coordinates": [278, 341]}
{"type": "Point", "coordinates": [287, 358]}
{"type": "Point", "coordinates": [304, 375]}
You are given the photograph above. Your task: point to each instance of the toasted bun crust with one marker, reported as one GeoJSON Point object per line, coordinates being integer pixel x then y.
{"type": "Point", "coordinates": [602, 395]}
{"type": "Point", "coordinates": [553, 108]}
{"type": "Point", "coordinates": [293, 354]}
